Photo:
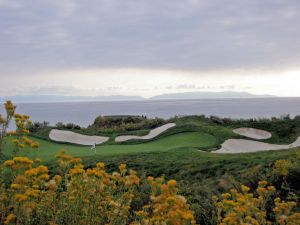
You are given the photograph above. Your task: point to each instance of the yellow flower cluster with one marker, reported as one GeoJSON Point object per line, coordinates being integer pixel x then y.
{"type": "Point", "coordinates": [22, 123]}
{"type": "Point", "coordinates": [235, 208]}
{"type": "Point", "coordinates": [27, 189]}
{"type": "Point", "coordinates": [4, 121]}
{"type": "Point", "coordinates": [21, 140]}
{"type": "Point", "coordinates": [18, 163]}
{"type": "Point", "coordinates": [9, 108]}
{"type": "Point", "coordinates": [283, 166]}
{"type": "Point", "coordinates": [86, 196]}
{"type": "Point", "coordinates": [284, 212]}
{"type": "Point", "coordinates": [166, 206]}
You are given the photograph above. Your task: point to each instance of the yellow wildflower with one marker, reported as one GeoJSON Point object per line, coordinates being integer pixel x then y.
{"type": "Point", "coordinates": [150, 178]}
{"type": "Point", "coordinates": [31, 172]}
{"type": "Point", "coordinates": [34, 145]}
{"type": "Point", "coordinates": [271, 188]}
{"type": "Point", "coordinates": [226, 195]}
{"type": "Point", "coordinates": [100, 165]}
{"type": "Point", "coordinates": [20, 197]}
{"type": "Point", "coordinates": [15, 141]}
{"type": "Point", "coordinates": [57, 179]}
{"type": "Point", "coordinates": [15, 186]}
{"type": "Point", "coordinates": [122, 168]}
{"type": "Point", "coordinates": [262, 183]}
{"type": "Point", "coordinates": [76, 171]}
{"type": "Point", "coordinates": [10, 218]}
{"type": "Point", "coordinates": [172, 183]}
{"type": "Point", "coordinates": [25, 131]}
{"type": "Point", "coordinates": [24, 160]}
{"type": "Point", "coordinates": [245, 189]}
{"type": "Point", "coordinates": [32, 193]}
{"type": "Point", "coordinates": [42, 169]}
{"type": "Point", "coordinates": [75, 160]}
{"type": "Point", "coordinates": [9, 163]}
{"type": "Point", "coordinates": [21, 145]}
{"type": "Point", "coordinates": [44, 177]}
{"type": "Point", "coordinates": [282, 166]}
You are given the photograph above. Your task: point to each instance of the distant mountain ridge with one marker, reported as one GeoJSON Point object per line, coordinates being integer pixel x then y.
{"type": "Point", "coordinates": [172, 96]}
{"type": "Point", "coordinates": [208, 95]}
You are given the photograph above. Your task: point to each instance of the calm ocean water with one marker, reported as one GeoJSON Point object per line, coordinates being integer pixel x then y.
{"type": "Point", "coordinates": [84, 113]}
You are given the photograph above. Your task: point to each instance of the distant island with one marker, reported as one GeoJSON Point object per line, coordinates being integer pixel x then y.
{"type": "Point", "coordinates": [172, 96]}
{"type": "Point", "coordinates": [209, 95]}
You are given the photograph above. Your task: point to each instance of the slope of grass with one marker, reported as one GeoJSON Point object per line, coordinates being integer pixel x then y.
{"type": "Point", "coordinates": [48, 150]}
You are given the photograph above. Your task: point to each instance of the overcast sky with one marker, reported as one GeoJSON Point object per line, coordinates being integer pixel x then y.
{"type": "Point", "coordinates": [142, 47]}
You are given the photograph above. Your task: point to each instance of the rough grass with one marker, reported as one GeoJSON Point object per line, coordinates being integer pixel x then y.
{"type": "Point", "coordinates": [200, 174]}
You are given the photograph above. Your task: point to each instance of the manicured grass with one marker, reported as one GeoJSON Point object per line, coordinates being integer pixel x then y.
{"type": "Point", "coordinates": [48, 150]}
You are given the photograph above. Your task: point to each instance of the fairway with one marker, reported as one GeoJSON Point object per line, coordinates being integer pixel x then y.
{"type": "Point", "coordinates": [48, 150]}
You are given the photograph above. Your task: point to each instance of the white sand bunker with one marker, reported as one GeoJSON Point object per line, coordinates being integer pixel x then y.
{"type": "Point", "coordinates": [242, 146]}
{"type": "Point", "coordinates": [152, 134]}
{"type": "Point", "coordinates": [253, 133]}
{"type": "Point", "coordinates": [74, 138]}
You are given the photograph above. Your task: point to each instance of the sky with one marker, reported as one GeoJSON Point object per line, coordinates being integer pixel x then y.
{"type": "Point", "coordinates": [146, 48]}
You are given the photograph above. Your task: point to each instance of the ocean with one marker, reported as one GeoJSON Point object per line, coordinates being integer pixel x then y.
{"type": "Point", "coordinates": [84, 113]}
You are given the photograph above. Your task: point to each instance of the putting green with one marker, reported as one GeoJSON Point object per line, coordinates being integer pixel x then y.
{"type": "Point", "coordinates": [48, 150]}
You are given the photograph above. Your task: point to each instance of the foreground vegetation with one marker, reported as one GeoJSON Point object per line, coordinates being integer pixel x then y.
{"type": "Point", "coordinates": [210, 183]}
{"type": "Point", "coordinates": [92, 196]}
{"type": "Point", "coordinates": [75, 195]}
{"type": "Point", "coordinates": [201, 175]}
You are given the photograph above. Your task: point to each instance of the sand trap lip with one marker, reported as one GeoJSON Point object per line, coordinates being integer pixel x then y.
{"type": "Point", "coordinates": [152, 134]}
{"type": "Point", "coordinates": [243, 146]}
{"type": "Point", "coordinates": [74, 138]}
{"type": "Point", "coordinates": [253, 133]}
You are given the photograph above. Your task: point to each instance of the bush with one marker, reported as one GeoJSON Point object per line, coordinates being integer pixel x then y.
{"type": "Point", "coordinates": [113, 124]}
{"type": "Point", "coordinates": [37, 126]}
{"type": "Point", "coordinates": [86, 196]}
{"type": "Point", "coordinates": [261, 207]}
{"type": "Point", "coordinates": [69, 126]}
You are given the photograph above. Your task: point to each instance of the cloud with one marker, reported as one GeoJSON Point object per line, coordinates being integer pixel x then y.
{"type": "Point", "coordinates": [147, 83]}
{"type": "Point", "coordinates": [160, 34]}
{"type": "Point", "coordinates": [9, 4]}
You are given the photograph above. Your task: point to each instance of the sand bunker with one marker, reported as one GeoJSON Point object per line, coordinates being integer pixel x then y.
{"type": "Point", "coordinates": [241, 146]}
{"type": "Point", "coordinates": [152, 134]}
{"type": "Point", "coordinates": [253, 133]}
{"type": "Point", "coordinates": [74, 138]}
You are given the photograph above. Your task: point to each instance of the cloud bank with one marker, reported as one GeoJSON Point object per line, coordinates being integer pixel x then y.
{"type": "Point", "coordinates": [159, 34]}
{"type": "Point", "coordinates": [146, 47]}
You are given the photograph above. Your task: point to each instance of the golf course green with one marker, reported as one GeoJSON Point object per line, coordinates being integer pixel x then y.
{"type": "Point", "coordinates": [49, 149]}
